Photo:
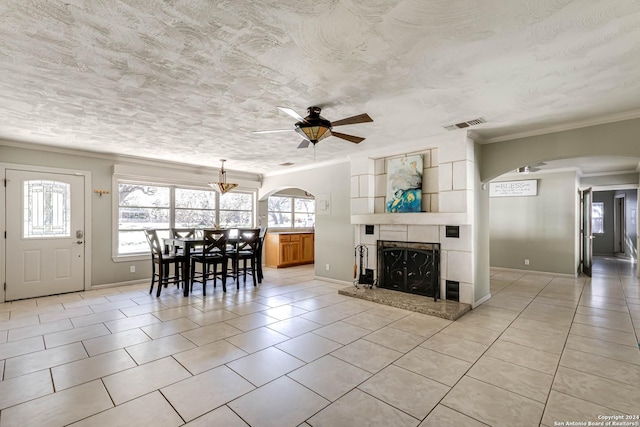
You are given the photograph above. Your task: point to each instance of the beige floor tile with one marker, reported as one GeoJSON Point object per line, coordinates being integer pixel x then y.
{"type": "Point", "coordinates": [606, 349]}
{"type": "Point", "coordinates": [488, 322]}
{"type": "Point", "coordinates": [330, 377]}
{"type": "Point", "coordinates": [516, 379]}
{"type": "Point", "coordinates": [442, 416]}
{"type": "Point", "coordinates": [222, 416]}
{"type": "Point", "coordinates": [325, 316]}
{"type": "Point", "coordinates": [257, 339]}
{"type": "Point", "coordinates": [281, 403]}
{"type": "Point", "coordinates": [248, 308]}
{"type": "Point", "coordinates": [551, 343]}
{"type": "Point", "coordinates": [27, 320]}
{"type": "Point", "coordinates": [596, 389]}
{"type": "Point", "coordinates": [211, 333]}
{"type": "Point", "coordinates": [437, 366]}
{"type": "Point", "coordinates": [603, 334]}
{"type": "Point", "coordinates": [86, 301]}
{"type": "Point", "coordinates": [92, 368]}
{"type": "Point", "coordinates": [151, 410]}
{"type": "Point", "coordinates": [65, 314]}
{"type": "Point", "coordinates": [562, 407]}
{"type": "Point", "coordinates": [367, 355]}
{"type": "Point", "coordinates": [453, 346]}
{"type": "Point", "coordinates": [471, 333]}
{"type": "Point", "coordinates": [402, 389]}
{"type": "Point", "coordinates": [157, 349]}
{"type": "Point", "coordinates": [59, 409]}
{"type": "Point", "coordinates": [618, 323]}
{"type": "Point", "coordinates": [43, 359]}
{"type": "Point", "coordinates": [24, 388]}
{"type": "Point", "coordinates": [493, 405]}
{"type": "Point", "coordinates": [309, 347]}
{"type": "Point", "coordinates": [616, 370]}
{"type": "Point", "coordinates": [496, 312]}
{"type": "Point", "coordinates": [341, 332]}
{"type": "Point", "coordinates": [359, 409]}
{"type": "Point", "coordinates": [135, 382]}
{"type": "Point", "coordinates": [556, 301]}
{"type": "Point", "coordinates": [209, 356]}
{"type": "Point", "coordinates": [251, 321]}
{"type": "Point", "coordinates": [420, 324]}
{"type": "Point", "coordinates": [509, 302]}
{"type": "Point", "coordinates": [57, 339]}
{"type": "Point", "coordinates": [606, 313]}
{"type": "Point", "coordinates": [294, 326]}
{"type": "Point", "coordinates": [540, 327]}
{"type": "Point", "coordinates": [114, 305]}
{"type": "Point", "coordinates": [392, 313]}
{"type": "Point", "coordinates": [210, 317]}
{"type": "Point", "coordinates": [395, 339]}
{"type": "Point", "coordinates": [131, 323]}
{"type": "Point", "coordinates": [195, 396]}
{"type": "Point", "coordinates": [176, 313]}
{"type": "Point", "coordinates": [92, 319]}
{"type": "Point", "coordinates": [139, 309]}
{"type": "Point", "coordinates": [264, 366]}
{"type": "Point", "coordinates": [527, 357]}
{"type": "Point", "coordinates": [368, 321]}
{"type": "Point", "coordinates": [284, 312]}
{"type": "Point", "coordinates": [115, 341]}
{"type": "Point", "coordinates": [549, 314]}
{"type": "Point", "coordinates": [37, 330]}
{"type": "Point", "coordinates": [159, 330]}
{"type": "Point", "coordinates": [18, 348]}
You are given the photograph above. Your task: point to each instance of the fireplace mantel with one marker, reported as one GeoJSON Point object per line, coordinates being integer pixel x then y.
{"type": "Point", "coordinates": [413, 218]}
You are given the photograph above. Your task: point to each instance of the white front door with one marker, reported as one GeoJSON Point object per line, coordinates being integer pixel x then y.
{"type": "Point", "coordinates": [45, 234]}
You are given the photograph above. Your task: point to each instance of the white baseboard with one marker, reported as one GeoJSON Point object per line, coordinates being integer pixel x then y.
{"type": "Point", "coordinates": [327, 279]}
{"type": "Point", "coordinates": [115, 285]}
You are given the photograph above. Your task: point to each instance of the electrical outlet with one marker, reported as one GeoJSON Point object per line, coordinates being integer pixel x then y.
{"type": "Point", "coordinates": [132, 269]}
{"type": "Point", "coordinates": [326, 267]}
{"type": "Point", "coordinates": [526, 262]}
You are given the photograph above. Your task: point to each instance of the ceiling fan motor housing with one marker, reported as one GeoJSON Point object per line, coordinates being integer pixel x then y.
{"type": "Point", "coordinates": [314, 127]}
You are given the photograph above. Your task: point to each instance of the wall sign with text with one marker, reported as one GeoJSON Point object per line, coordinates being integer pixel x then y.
{"type": "Point", "coordinates": [514, 188]}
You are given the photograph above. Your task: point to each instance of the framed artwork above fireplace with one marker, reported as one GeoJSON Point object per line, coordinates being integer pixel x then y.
{"type": "Point", "coordinates": [404, 184]}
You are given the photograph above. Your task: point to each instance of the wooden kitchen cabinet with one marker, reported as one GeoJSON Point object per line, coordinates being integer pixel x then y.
{"type": "Point", "coordinates": [288, 249]}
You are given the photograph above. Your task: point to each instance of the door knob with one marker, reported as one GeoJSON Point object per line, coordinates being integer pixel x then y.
{"type": "Point", "coordinates": [79, 242]}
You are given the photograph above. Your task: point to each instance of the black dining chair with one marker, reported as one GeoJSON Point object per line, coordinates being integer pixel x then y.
{"type": "Point", "coordinates": [214, 253]}
{"type": "Point", "coordinates": [163, 261]}
{"type": "Point", "coordinates": [245, 250]}
{"type": "Point", "coordinates": [263, 233]}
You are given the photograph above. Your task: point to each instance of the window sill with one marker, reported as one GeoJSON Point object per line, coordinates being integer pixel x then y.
{"type": "Point", "coordinates": [130, 258]}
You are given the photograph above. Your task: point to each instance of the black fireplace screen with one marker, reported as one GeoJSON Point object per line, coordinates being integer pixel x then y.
{"type": "Point", "coordinates": [409, 267]}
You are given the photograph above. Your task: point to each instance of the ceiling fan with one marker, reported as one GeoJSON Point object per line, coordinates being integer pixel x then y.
{"type": "Point", "coordinates": [314, 127]}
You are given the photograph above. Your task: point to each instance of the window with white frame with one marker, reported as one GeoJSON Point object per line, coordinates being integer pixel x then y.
{"type": "Point", "coordinates": [597, 217]}
{"type": "Point", "coordinates": [291, 212]}
{"type": "Point", "coordinates": [145, 205]}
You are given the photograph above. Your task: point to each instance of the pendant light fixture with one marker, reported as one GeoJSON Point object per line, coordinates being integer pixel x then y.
{"type": "Point", "coordinates": [222, 186]}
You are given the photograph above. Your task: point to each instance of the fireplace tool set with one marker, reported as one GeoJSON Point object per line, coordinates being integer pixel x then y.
{"type": "Point", "coordinates": [365, 276]}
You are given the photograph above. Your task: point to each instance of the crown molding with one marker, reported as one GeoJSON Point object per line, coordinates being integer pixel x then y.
{"type": "Point", "coordinates": [601, 120]}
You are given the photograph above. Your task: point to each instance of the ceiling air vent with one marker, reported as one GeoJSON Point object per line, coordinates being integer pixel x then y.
{"type": "Point", "coordinates": [465, 124]}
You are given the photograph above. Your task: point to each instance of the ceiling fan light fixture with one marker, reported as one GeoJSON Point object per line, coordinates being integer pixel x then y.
{"type": "Point", "coordinates": [222, 186]}
{"type": "Point", "coordinates": [314, 132]}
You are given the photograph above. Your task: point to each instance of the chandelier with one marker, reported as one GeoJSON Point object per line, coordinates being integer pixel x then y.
{"type": "Point", "coordinates": [222, 186]}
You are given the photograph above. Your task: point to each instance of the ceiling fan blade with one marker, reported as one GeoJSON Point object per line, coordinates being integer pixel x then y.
{"type": "Point", "coordinates": [304, 144]}
{"type": "Point", "coordinates": [273, 131]}
{"type": "Point", "coordinates": [360, 118]}
{"type": "Point", "coordinates": [350, 138]}
{"type": "Point", "coordinates": [292, 113]}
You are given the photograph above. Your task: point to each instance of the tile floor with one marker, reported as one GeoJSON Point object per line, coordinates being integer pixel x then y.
{"type": "Point", "coordinates": [544, 350]}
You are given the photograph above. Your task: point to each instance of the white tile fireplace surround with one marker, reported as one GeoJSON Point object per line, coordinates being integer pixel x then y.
{"type": "Point", "coordinates": [455, 254]}
{"type": "Point", "coordinates": [447, 200]}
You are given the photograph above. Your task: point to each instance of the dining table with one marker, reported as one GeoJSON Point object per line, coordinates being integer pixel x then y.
{"type": "Point", "coordinates": [187, 244]}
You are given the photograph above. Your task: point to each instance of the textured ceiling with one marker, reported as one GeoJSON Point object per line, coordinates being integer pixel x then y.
{"type": "Point", "coordinates": [188, 80]}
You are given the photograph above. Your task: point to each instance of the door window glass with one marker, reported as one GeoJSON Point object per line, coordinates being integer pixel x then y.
{"type": "Point", "coordinates": [47, 209]}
